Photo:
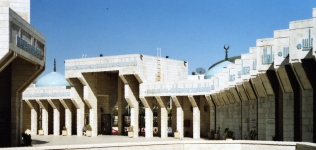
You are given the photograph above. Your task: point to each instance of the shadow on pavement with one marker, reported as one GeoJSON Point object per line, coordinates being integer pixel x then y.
{"type": "Point", "coordinates": [39, 142]}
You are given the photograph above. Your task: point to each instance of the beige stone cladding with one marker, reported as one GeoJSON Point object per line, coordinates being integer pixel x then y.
{"type": "Point", "coordinates": [21, 7]}
{"type": "Point", "coordinates": [144, 67]}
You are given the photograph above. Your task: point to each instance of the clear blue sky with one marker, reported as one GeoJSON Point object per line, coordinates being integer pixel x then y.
{"type": "Point", "coordinates": [194, 31]}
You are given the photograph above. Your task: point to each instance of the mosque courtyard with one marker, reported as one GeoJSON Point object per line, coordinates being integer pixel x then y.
{"type": "Point", "coordinates": [157, 143]}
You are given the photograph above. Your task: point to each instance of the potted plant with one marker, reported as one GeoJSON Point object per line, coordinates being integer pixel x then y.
{"type": "Point", "coordinates": [40, 131]}
{"type": "Point", "coordinates": [64, 132]}
{"type": "Point", "coordinates": [229, 134]}
{"type": "Point", "coordinates": [224, 136]}
{"type": "Point", "coordinates": [216, 136]}
{"type": "Point", "coordinates": [27, 140]}
{"type": "Point", "coordinates": [252, 134]}
{"type": "Point", "coordinates": [177, 135]}
{"type": "Point", "coordinates": [211, 134]}
{"type": "Point", "coordinates": [131, 132]}
{"type": "Point", "coordinates": [273, 138]}
{"type": "Point", "coordinates": [89, 131]}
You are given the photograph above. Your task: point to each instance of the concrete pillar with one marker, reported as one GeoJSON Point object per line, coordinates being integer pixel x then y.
{"type": "Point", "coordinates": [163, 101]}
{"type": "Point", "coordinates": [306, 102]}
{"type": "Point", "coordinates": [68, 115]}
{"type": "Point", "coordinates": [121, 107]}
{"type": "Point", "coordinates": [90, 98]}
{"type": "Point", "coordinates": [80, 120]}
{"type": "Point", "coordinates": [180, 115]}
{"type": "Point", "coordinates": [174, 117]}
{"type": "Point", "coordinates": [205, 114]}
{"type": "Point", "coordinates": [26, 117]}
{"type": "Point", "coordinates": [212, 112]}
{"type": "Point", "coordinates": [244, 111]}
{"type": "Point", "coordinates": [22, 74]}
{"type": "Point", "coordinates": [261, 106]}
{"type": "Point", "coordinates": [56, 106]}
{"type": "Point", "coordinates": [148, 104]}
{"type": "Point", "coordinates": [195, 102]}
{"type": "Point", "coordinates": [132, 96]}
{"type": "Point", "coordinates": [294, 102]}
{"type": "Point", "coordinates": [77, 97]}
{"type": "Point", "coordinates": [34, 112]}
{"type": "Point", "coordinates": [271, 106]}
{"type": "Point", "coordinates": [44, 107]}
{"type": "Point", "coordinates": [305, 72]}
{"type": "Point", "coordinates": [288, 103]}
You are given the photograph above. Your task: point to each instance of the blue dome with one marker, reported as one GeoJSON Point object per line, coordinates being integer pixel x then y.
{"type": "Point", "coordinates": [216, 69]}
{"type": "Point", "coordinates": [52, 79]}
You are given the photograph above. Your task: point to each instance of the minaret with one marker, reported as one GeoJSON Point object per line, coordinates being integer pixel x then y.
{"type": "Point", "coordinates": [54, 65]}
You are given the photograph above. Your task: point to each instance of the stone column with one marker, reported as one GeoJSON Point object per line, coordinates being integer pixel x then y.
{"type": "Point", "coordinates": [180, 117]}
{"type": "Point", "coordinates": [56, 106]}
{"type": "Point", "coordinates": [121, 107]}
{"type": "Point", "coordinates": [174, 117]}
{"type": "Point", "coordinates": [163, 101]}
{"type": "Point", "coordinates": [23, 73]}
{"type": "Point", "coordinates": [44, 107]}
{"type": "Point", "coordinates": [244, 112]}
{"type": "Point", "coordinates": [195, 102]}
{"type": "Point", "coordinates": [212, 112]}
{"type": "Point", "coordinates": [90, 98]}
{"type": "Point", "coordinates": [132, 96]}
{"type": "Point", "coordinates": [148, 104]}
{"type": "Point", "coordinates": [308, 104]}
{"type": "Point", "coordinates": [80, 120]}
{"type": "Point", "coordinates": [288, 103]}
{"type": "Point", "coordinates": [270, 104]}
{"type": "Point", "coordinates": [34, 110]}
{"type": "Point", "coordinates": [77, 99]}
{"type": "Point", "coordinates": [68, 115]}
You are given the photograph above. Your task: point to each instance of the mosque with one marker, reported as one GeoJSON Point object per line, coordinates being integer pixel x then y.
{"type": "Point", "coordinates": [270, 90]}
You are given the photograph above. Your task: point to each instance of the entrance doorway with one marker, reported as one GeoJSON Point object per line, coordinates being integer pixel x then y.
{"type": "Point", "coordinates": [106, 124]}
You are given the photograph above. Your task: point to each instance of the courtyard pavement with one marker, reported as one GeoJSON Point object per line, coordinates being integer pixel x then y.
{"type": "Point", "coordinates": [52, 140]}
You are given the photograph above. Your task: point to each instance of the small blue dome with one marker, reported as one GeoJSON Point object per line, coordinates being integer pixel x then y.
{"type": "Point", "coordinates": [52, 79]}
{"type": "Point", "coordinates": [216, 69]}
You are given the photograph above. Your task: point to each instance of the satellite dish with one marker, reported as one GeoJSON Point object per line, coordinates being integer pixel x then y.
{"type": "Point", "coordinates": [200, 70]}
